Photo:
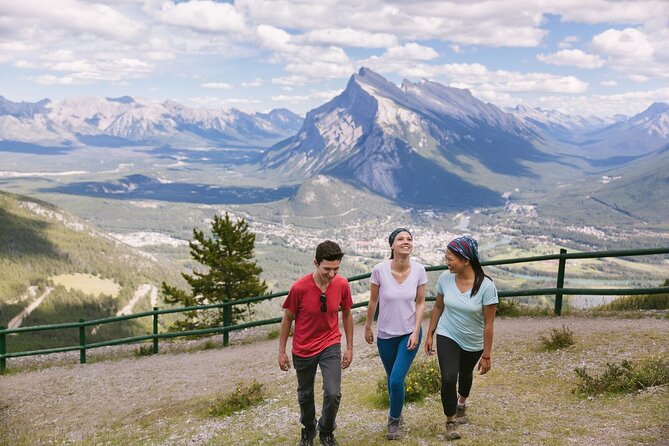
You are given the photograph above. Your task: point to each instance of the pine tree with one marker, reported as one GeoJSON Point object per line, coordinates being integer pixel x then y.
{"type": "Point", "coordinates": [230, 273]}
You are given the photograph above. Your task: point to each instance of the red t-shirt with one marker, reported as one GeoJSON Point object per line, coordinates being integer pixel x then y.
{"type": "Point", "coordinates": [315, 330]}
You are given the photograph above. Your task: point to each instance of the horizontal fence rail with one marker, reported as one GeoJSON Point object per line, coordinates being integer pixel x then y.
{"type": "Point", "coordinates": [558, 291]}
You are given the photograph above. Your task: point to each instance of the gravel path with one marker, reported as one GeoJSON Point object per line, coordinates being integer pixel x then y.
{"type": "Point", "coordinates": [79, 400]}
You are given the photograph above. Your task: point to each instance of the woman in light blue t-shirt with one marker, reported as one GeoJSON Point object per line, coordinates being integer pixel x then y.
{"type": "Point", "coordinates": [398, 285]}
{"type": "Point", "coordinates": [463, 318]}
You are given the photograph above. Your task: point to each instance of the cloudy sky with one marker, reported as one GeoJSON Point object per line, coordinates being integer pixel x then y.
{"type": "Point", "coordinates": [599, 57]}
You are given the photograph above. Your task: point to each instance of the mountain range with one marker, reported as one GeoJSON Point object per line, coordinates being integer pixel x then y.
{"type": "Point", "coordinates": [426, 144]}
{"type": "Point", "coordinates": [420, 144]}
{"type": "Point", "coordinates": [126, 121]}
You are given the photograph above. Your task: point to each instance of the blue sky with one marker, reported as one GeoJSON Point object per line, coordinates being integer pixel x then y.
{"type": "Point", "coordinates": [588, 57]}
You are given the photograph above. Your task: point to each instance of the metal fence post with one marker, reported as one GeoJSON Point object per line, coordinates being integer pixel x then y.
{"type": "Point", "coordinates": [560, 282]}
{"type": "Point", "coordinates": [3, 350]}
{"type": "Point", "coordinates": [155, 330]}
{"type": "Point", "coordinates": [227, 321]}
{"type": "Point", "coordinates": [82, 342]}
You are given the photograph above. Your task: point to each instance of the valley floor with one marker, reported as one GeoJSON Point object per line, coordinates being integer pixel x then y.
{"type": "Point", "coordinates": [526, 399]}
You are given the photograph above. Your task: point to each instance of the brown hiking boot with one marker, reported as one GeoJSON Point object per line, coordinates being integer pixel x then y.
{"type": "Point", "coordinates": [460, 415]}
{"type": "Point", "coordinates": [394, 429]}
{"type": "Point", "coordinates": [452, 430]}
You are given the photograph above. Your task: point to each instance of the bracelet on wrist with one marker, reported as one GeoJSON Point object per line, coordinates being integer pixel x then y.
{"type": "Point", "coordinates": [483, 357]}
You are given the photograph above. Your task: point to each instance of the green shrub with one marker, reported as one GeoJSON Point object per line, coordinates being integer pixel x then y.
{"type": "Point", "coordinates": [508, 308]}
{"type": "Point", "coordinates": [243, 397]}
{"type": "Point", "coordinates": [642, 302]}
{"type": "Point", "coordinates": [424, 378]}
{"type": "Point", "coordinates": [144, 350]}
{"type": "Point", "coordinates": [624, 378]}
{"type": "Point", "coordinates": [511, 308]}
{"type": "Point", "coordinates": [558, 339]}
{"type": "Point", "coordinates": [273, 334]}
{"type": "Point", "coordinates": [209, 344]}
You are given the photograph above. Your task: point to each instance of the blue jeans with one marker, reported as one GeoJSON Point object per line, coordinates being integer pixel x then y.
{"type": "Point", "coordinates": [397, 359]}
{"type": "Point", "coordinates": [329, 360]}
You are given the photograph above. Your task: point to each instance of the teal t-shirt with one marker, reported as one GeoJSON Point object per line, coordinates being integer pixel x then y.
{"type": "Point", "coordinates": [462, 319]}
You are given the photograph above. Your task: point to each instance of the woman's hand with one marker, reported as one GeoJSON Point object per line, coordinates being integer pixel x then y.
{"type": "Point", "coordinates": [428, 345]}
{"type": "Point", "coordinates": [484, 365]}
{"type": "Point", "coordinates": [369, 335]}
{"type": "Point", "coordinates": [412, 343]}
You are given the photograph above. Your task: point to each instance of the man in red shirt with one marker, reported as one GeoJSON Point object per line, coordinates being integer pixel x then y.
{"type": "Point", "coordinates": [313, 303]}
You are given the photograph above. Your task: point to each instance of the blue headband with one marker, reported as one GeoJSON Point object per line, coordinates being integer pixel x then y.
{"type": "Point", "coordinates": [391, 237]}
{"type": "Point", "coordinates": [466, 246]}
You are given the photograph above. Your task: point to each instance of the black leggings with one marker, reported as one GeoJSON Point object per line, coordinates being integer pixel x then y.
{"type": "Point", "coordinates": [454, 361]}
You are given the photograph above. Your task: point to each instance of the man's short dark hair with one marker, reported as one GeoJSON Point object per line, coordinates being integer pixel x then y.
{"type": "Point", "coordinates": [328, 250]}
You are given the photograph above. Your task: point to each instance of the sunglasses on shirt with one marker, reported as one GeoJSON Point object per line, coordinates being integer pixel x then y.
{"type": "Point", "coordinates": [324, 307]}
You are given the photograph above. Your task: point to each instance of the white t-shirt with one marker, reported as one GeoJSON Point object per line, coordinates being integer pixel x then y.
{"type": "Point", "coordinates": [462, 319]}
{"type": "Point", "coordinates": [397, 302]}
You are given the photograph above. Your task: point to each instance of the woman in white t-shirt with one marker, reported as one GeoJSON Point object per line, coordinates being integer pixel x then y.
{"type": "Point", "coordinates": [398, 285]}
{"type": "Point", "coordinates": [463, 318]}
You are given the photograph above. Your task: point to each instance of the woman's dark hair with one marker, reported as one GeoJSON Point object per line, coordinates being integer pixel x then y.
{"type": "Point", "coordinates": [479, 274]}
{"type": "Point", "coordinates": [328, 250]}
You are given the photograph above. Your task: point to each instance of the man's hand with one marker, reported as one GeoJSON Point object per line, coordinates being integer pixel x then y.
{"type": "Point", "coordinates": [346, 359]}
{"type": "Point", "coordinates": [284, 363]}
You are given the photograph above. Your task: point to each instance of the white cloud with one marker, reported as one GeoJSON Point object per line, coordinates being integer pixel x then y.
{"type": "Point", "coordinates": [252, 84]}
{"type": "Point", "coordinates": [629, 103]}
{"type": "Point", "coordinates": [217, 85]}
{"type": "Point", "coordinates": [73, 16]}
{"type": "Point", "coordinates": [215, 102]}
{"type": "Point", "coordinates": [626, 44]}
{"type": "Point", "coordinates": [49, 79]}
{"type": "Point", "coordinates": [576, 58]}
{"type": "Point", "coordinates": [202, 15]}
{"type": "Point", "coordinates": [478, 77]}
{"type": "Point", "coordinates": [636, 54]}
{"type": "Point", "coordinates": [494, 23]}
{"type": "Point", "coordinates": [608, 83]}
{"type": "Point", "coordinates": [568, 42]}
{"type": "Point", "coordinates": [348, 37]}
{"type": "Point", "coordinates": [610, 11]}
{"type": "Point", "coordinates": [25, 64]}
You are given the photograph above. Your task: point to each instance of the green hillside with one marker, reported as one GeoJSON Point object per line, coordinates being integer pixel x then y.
{"type": "Point", "coordinates": [633, 195]}
{"type": "Point", "coordinates": [85, 273]}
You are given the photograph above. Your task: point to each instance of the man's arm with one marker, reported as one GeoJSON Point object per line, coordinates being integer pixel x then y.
{"type": "Point", "coordinates": [347, 321]}
{"type": "Point", "coordinates": [286, 323]}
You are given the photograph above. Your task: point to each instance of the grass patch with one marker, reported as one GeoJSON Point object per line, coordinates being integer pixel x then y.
{"type": "Point", "coordinates": [144, 350]}
{"type": "Point", "coordinates": [88, 283]}
{"type": "Point", "coordinates": [423, 379]}
{"type": "Point", "coordinates": [558, 339]}
{"type": "Point", "coordinates": [243, 397]}
{"type": "Point", "coordinates": [273, 334]}
{"type": "Point", "coordinates": [626, 377]}
{"type": "Point", "coordinates": [510, 308]}
{"type": "Point", "coordinates": [644, 302]}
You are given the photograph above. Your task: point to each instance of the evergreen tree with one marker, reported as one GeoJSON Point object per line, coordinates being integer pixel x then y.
{"type": "Point", "coordinates": [230, 273]}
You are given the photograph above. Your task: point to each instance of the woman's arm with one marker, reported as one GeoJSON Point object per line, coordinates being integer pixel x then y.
{"type": "Point", "coordinates": [420, 308]}
{"type": "Point", "coordinates": [371, 309]}
{"type": "Point", "coordinates": [485, 363]}
{"type": "Point", "coordinates": [434, 318]}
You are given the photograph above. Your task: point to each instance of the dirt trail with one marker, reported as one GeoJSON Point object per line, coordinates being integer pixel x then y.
{"type": "Point", "coordinates": [141, 291]}
{"type": "Point", "coordinates": [80, 400]}
{"type": "Point", "coordinates": [18, 320]}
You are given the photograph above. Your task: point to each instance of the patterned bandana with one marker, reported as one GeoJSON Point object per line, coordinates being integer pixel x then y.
{"type": "Point", "coordinates": [466, 246]}
{"type": "Point", "coordinates": [391, 237]}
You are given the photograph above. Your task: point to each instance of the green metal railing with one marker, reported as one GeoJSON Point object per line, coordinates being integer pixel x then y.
{"type": "Point", "coordinates": [559, 291]}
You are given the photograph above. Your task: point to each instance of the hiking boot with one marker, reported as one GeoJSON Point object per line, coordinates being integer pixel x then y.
{"type": "Point", "coordinates": [460, 415]}
{"type": "Point", "coordinates": [328, 439]}
{"type": "Point", "coordinates": [394, 429]}
{"type": "Point", "coordinates": [307, 437]}
{"type": "Point", "coordinates": [452, 430]}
